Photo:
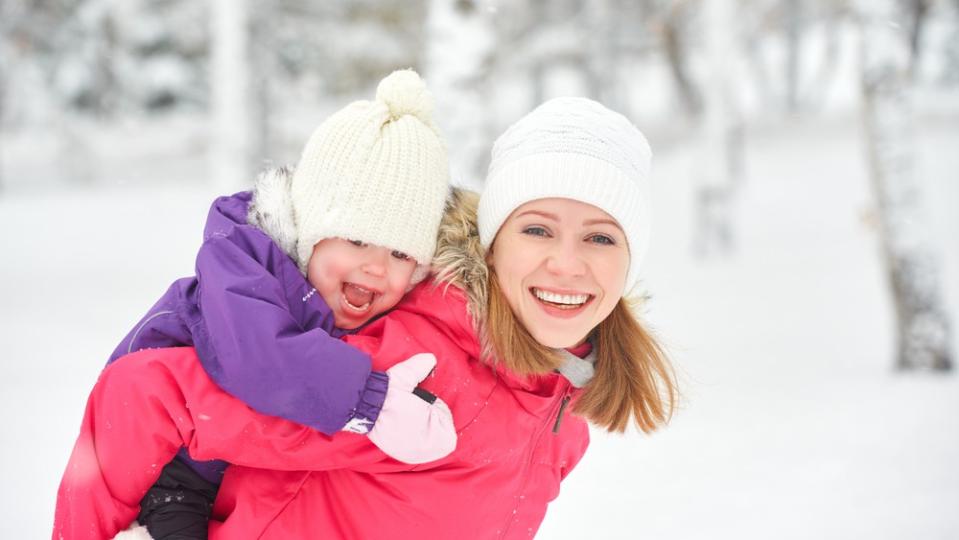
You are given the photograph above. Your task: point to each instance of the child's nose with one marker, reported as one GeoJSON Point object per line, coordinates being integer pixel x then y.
{"type": "Point", "coordinates": [375, 264]}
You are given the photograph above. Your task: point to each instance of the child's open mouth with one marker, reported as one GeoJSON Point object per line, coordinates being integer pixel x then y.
{"type": "Point", "coordinates": [357, 298]}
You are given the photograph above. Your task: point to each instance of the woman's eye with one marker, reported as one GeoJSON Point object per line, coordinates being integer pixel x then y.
{"type": "Point", "coordinates": [401, 256]}
{"type": "Point", "coordinates": [357, 243]}
{"type": "Point", "coordinates": [602, 239]}
{"type": "Point", "coordinates": [536, 231]}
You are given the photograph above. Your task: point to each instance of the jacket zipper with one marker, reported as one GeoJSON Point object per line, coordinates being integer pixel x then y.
{"type": "Point", "coordinates": [532, 450]}
{"type": "Point", "coordinates": [559, 415]}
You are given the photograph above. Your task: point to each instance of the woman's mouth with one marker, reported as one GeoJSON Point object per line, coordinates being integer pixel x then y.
{"type": "Point", "coordinates": [357, 299]}
{"type": "Point", "coordinates": [561, 304]}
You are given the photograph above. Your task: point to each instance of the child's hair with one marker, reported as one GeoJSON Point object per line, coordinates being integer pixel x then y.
{"type": "Point", "coordinates": [633, 375]}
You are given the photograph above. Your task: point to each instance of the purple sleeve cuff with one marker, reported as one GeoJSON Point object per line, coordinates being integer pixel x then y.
{"type": "Point", "coordinates": [371, 401]}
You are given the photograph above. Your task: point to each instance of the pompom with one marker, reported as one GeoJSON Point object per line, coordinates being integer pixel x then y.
{"type": "Point", "coordinates": [403, 92]}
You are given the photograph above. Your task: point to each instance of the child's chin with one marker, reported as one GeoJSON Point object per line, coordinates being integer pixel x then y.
{"type": "Point", "coordinates": [351, 324]}
{"type": "Point", "coordinates": [344, 322]}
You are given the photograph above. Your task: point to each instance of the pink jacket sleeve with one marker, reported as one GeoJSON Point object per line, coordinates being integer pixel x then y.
{"type": "Point", "coordinates": [147, 405]}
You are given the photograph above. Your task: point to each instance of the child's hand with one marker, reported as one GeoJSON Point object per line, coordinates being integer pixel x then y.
{"type": "Point", "coordinates": [410, 429]}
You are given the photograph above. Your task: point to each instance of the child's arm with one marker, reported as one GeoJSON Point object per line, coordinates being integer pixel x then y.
{"type": "Point", "coordinates": [264, 336]}
{"type": "Point", "coordinates": [149, 404]}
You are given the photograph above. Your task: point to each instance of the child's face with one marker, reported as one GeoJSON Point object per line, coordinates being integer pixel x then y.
{"type": "Point", "coordinates": [357, 280]}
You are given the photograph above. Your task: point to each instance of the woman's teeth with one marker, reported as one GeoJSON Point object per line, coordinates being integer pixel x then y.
{"type": "Point", "coordinates": [563, 299]}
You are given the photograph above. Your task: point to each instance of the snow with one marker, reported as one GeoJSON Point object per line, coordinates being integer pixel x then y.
{"type": "Point", "coordinates": [793, 424]}
{"type": "Point", "coordinates": [135, 532]}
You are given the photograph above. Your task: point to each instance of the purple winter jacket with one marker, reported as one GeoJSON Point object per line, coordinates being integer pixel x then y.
{"type": "Point", "coordinates": [261, 331]}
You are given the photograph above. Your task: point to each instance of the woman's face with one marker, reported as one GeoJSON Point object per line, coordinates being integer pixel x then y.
{"type": "Point", "coordinates": [562, 266]}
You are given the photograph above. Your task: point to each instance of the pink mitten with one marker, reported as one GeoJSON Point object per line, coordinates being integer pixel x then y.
{"type": "Point", "coordinates": [410, 429]}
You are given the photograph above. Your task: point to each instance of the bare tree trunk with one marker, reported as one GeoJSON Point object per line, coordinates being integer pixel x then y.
{"type": "Point", "coordinates": [458, 60]}
{"type": "Point", "coordinates": [602, 60]}
{"type": "Point", "coordinates": [757, 65]}
{"type": "Point", "coordinates": [537, 71]}
{"type": "Point", "coordinates": [3, 101]}
{"type": "Point", "coordinates": [923, 327]}
{"type": "Point", "coordinates": [263, 64]}
{"type": "Point", "coordinates": [721, 167]}
{"type": "Point", "coordinates": [231, 96]}
{"type": "Point", "coordinates": [672, 43]}
{"type": "Point", "coordinates": [917, 18]}
{"type": "Point", "coordinates": [828, 67]}
{"type": "Point", "coordinates": [794, 27]}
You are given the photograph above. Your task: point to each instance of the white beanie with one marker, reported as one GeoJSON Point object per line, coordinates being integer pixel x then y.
{"type": "Point", "coordinates": [572, 148]}
{"type": "Point", "coordinates": [375, 171]}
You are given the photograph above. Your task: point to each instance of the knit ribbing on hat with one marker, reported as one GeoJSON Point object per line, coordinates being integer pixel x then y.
{"type": "Point", "coordinates": [572, 148]}
{"type": "Point", "coordinates": [374, 171]}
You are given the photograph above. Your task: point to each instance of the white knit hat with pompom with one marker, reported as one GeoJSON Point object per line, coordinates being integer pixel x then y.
{"type": "Point", "coordinates": [375, 171]}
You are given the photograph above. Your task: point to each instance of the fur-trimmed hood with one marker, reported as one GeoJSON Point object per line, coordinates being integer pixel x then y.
{"type": "Point", "coordinates": [460, 259]}
{"type": "Point", "coordinates": [271, 209]}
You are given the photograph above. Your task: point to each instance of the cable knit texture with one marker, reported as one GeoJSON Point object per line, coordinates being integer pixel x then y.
{"type": "Point", "coordinates": [375, 171]}
{"type": "Point", "coordinates": [572, 148]}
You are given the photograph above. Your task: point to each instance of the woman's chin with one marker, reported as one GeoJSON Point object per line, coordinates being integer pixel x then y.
{"type": "Point", "coordinates": [558, 339]}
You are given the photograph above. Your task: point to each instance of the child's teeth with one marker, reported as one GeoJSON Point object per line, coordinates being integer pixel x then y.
{"type": "Point", "coordinates": [357, 296]}
{"type": "Point", "coordinates": [570, 299]}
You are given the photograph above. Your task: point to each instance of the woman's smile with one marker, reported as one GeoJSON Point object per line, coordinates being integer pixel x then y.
{"type": "Point", "coordinates": [563, 304]}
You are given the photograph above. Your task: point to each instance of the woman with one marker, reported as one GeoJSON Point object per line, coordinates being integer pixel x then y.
{"type": "Point", "coordinates": [532, 335]}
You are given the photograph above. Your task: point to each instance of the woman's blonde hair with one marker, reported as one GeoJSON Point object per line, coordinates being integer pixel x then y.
{"type": "Point", "coordinates": [633, 375]}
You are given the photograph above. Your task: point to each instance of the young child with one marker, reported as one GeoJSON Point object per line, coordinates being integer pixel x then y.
{"type": "Point", "coordinates": [367, 197]}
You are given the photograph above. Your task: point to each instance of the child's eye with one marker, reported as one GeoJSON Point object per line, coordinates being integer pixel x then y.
{"type": "Point", "coordinates": [536, 230]}
{"type": "Point", "coordinates": [602, 239]}
{"type": "Point", "coordinates": [357, 243]}
{"type": "Point", "coordinates": [401, 256]}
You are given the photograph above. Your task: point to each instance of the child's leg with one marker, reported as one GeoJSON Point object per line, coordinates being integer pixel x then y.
{"type": "Point", "coordinates": [86, 506]}
{"type": "Point", "coordinates": [148, 405]}
{"type": "Point", "coordinates": [179, 504]}
{"type": "Point", "coordinates": [123, 444]}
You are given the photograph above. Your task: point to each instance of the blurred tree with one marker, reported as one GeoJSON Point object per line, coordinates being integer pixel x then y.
{"type": "Point", "coordinates": [719, 173]}
{"type": "Point", "coordinates": [794, 21]}
{"type": "Point", "coordinates": [792, 48]}
{"type": "Point", "coordinates": [923, 326]}
{"type": "Point", "coordinates": [916, 11]}
{"type": "Point", "coordinates": [950, 52]}
{"type": "Point", "coordinates": [232, 95]}
{"type": "Point", "coordinates": [344, 47]}
{"type": "Point", "coordinates": [674, 29]}
{"type": "Point", "coordinates": [458, 66]}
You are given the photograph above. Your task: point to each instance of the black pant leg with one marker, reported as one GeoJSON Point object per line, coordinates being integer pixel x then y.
{"type": "Point", "coordinates": [178, 505]}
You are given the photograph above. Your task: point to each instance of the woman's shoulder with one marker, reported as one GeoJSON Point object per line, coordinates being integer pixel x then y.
{"type": "Point", "coordinates": [444, 308]}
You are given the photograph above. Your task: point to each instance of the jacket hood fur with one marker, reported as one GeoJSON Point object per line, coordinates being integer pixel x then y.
{"type": "Point", "coordinates": [460, 259]}
{"type": "Point", "coordinates": [271, 209]}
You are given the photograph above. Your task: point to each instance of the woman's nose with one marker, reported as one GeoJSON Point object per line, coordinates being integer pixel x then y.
{"type": "Point", "coordinates": [566, 260]}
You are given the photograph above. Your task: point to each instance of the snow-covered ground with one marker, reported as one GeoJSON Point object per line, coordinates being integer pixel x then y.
{"type": "Point", "coordinates": [793, 425]}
